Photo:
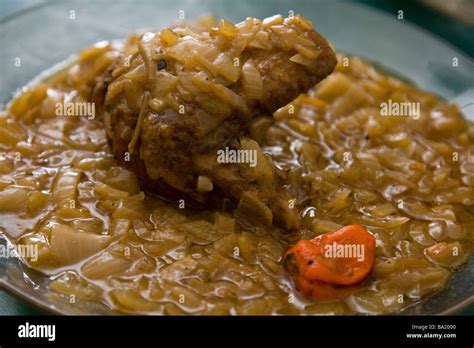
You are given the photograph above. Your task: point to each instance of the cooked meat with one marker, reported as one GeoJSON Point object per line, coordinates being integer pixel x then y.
{"type": "Point", "coordinates": [181, 97]}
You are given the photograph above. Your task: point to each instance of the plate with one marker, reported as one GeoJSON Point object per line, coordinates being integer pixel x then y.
{"type": "Point", "coordinates": [36, 39]}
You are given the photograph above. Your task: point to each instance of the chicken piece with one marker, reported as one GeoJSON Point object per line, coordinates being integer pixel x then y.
{"type": "Point", "coordinates": [181, 102]}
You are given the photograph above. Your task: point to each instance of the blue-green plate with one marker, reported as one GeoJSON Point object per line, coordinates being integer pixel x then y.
{"type": "Point", "coordinates": [51, 32]}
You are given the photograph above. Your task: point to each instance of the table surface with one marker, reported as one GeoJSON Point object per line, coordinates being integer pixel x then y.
{"type": "Point", "coordinates": [457, 33]}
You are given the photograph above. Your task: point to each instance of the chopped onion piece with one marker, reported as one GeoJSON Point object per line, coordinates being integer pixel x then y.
{"type": "Point", "coordinates": [226, 67]}
{"type": "Point", "coordinates": [273, 20]}
{"type": "Point", "coordinates": [187, 46]}
{"type": "Point", "coordinates": [105, 265]}
{"type": "Point", "coordinates": [69, 246]}
{"type": "Point", "coordinates": [308, 52]}
{"type": "Point", "coordinates": [138, 126]}
{"type": "Point", "coordinates": [168, 37]}
{"type": "Point", "coordinates": [302, 60]}
{"type": "Point", "coordinates": [225, 28]}
{"type": "Point", "coordinates": [65, 185]}
{"type": "Point", "coordinates": [204, 184]}
{"type": "Point", "coordinates": [447, 254]}
{"type": "Point", "coordinates": [13, 199]}
{"type": "Point", "coordinates": [300, 21]}
{"type": "Point", "coordinates": [262, 41]}
{"type": "Point", "coordinates": [157, 105]}
{"type": "Point", "coordinates": [197, 60]}
{"type": "Point", "coordinates": [252, 81]}
{"type": "Point", "coordinates": [220, 91]}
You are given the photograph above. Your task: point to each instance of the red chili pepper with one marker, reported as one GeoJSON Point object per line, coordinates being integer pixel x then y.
{"type": "Point", "coordinates": [326, 266]}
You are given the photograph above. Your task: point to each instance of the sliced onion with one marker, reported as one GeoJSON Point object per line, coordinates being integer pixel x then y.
{"type": "Point", "coordinates": [65, 185]}
{"type": "Point", "coordinates": [105, 265]}
{"type": "Point", "coordinates": [196, 60]}
{"type": "Point", "coordinates": [188, 46]}
{"type": "Point", "coordinates": [70, 246]}
{"type": "Point", "coordinates": [262, 170]}
{"type": "Point", "coordinates": [93, 51]}
{"type": "Point", "coordinates": [186, 85]}
{"type": "Point", "coordinates": [302, 60]}
{"type": "Point", "coordinates": [138, 126]}
{"type": "Point", "coordinates": [107, 192]}
{"type": "Point", "coordinates": [447, 254]}
{"type": "Point", "coordinates": [114, 89]}
{"type": "Point", "coordinates": [163, 83]}
{"type": "Point", "coordinates": [299, 21]}
{"type": "Point", "coordinates": [247, 32]}
{"type": "Point", "coordinates": [13, 199]}
{"type": "Point", "coordinates": [308, 52]}
{"type": "Point", "coordinates": [225, 28]}
{"type": "Point", "coordinates": [226, 67]}
{"type": "Point", "coordinates": [273, 20]}
{"type": "Point", "coordinates": [262, 41]}
{"type": "Point", "coordinates": [133, 301]}
{"type": "Point", "coordinates": [219, 91]}
{"type": "Point", "coordinates": [204, 184]}
{"type": "Point", "coordinates": [157, 105]}
{"type": "Point", "coordinates": [28, 99]}
{"type": "Point", "coordinates": [252, 81]}
{"type": "Point", "coordinates": [168, 37]}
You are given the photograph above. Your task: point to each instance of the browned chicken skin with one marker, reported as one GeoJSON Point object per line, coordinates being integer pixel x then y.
{"type": "Point", "coordinates": [178, 97]}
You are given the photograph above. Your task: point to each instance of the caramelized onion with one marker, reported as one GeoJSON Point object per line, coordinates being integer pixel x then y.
{"type": "Point", "coordinates": [252, 82]}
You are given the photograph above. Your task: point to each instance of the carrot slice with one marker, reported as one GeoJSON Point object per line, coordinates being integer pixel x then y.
{"type": "Point", "coordinates": [323, 266]}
